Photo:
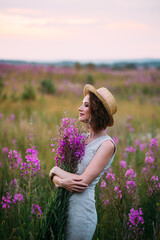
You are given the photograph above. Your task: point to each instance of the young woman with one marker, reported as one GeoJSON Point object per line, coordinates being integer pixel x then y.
{"type": "Point", "coordinates": [97, 110]}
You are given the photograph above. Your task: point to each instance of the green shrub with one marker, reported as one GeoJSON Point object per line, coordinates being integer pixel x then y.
{"type": "Point", "coordinates": [28, 93]}
{"type": "Point", "coordinates": [47, 86]}
{"type": "Point", "coordinates": [89, 80]}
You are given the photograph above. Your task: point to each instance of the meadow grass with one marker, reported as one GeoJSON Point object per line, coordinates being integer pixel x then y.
{"type": "Point", "coordinates": [24, 123]}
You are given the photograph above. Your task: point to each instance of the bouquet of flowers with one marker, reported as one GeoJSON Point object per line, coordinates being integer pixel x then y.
{"type": "Point", "coordinates": [69, 152]}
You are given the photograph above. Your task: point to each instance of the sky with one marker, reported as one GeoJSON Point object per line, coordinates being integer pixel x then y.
{"type": "Point", "coordinates": [79, 30]}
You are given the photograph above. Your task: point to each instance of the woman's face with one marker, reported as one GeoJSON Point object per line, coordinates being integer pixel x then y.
{"type": "Point", "coordinates": [84, 110]}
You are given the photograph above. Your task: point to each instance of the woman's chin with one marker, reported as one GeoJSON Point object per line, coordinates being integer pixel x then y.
{"type": "Point", "coordinates": [81, 119]}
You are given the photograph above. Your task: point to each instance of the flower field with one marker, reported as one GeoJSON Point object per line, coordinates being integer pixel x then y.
{"type": "Point", "coordinates": [33, 100]}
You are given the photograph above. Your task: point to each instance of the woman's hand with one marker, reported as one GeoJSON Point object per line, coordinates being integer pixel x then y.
{"type": "Point", "coordinates": [52, 173]}
{"type": "Point", "coordinates": [74, 184]}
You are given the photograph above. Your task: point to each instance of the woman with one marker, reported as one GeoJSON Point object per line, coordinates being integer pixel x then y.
{"type": "Point", "coordinates": [97, 110]}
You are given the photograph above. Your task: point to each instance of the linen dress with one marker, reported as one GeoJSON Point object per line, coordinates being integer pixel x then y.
{"type": "Point", "coordinates": [82, 215]}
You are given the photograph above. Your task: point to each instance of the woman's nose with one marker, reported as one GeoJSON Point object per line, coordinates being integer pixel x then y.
{"type": "Point", "coordinates": [80, 108]}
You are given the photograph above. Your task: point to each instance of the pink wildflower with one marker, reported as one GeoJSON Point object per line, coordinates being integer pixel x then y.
{"type": "Point", "coordinates": [103, 184]}
{"type": "Point", "coordinates": [130, 173]}
{"type": "Point", "coordinates": [5, 150]}
{"type": "Point", "coordinates": [6, 201]}
{"type": "Point", "coordinates": [130, 185]}
{"type": "Point", "coordinates": [118, 191]}
{"type": "Point", "coordinates": [14, 159]}
{"type": "Point", "coordinates": [135, 222]}
{"type": "Point", "coordinates": [130, 149]}
{"type": "Point", "coordinates": [110, 176]}
{"type": "Point", "coordinates": [18, 198]}
{"type": "Point", "coordinates": [36, 210]}
{"type": "Point", "coordinates": [106, 202]}
{"type": "Point", "coordinates": [123, 164]}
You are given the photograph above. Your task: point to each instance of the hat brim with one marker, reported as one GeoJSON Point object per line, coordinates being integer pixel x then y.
{"type": "Point", "coordinates": [89, 88]}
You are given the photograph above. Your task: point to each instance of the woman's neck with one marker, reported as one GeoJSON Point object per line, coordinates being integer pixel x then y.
{"type": "Point", "coordinates": [94, 134]}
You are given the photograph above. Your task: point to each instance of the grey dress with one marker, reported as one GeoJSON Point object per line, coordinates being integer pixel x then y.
{"type": "Point", "coordinates": [82, 215]}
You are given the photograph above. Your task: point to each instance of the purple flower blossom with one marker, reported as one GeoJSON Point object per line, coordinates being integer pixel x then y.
{"type": "Point", "coordinates": [6, 201]}
{"type": "Point", "coordinates": [118, 192]}
{"type": "Point", "coordinates": [12, 117]}
{"type": "Point", "coordinates": [103, 184]}
{"type": "Point", "coordinates": [71, 145]}
{"type": "Point", "coordinates": [106, 202]}
{"type": "Point", "coordinates": [131, 129]}
{"type": "Point", "coordinates": [14, 181]}
{"type": "Point", "coordinates": [154, 184]}
{"type": "Point", "coordinates": [14, 159]}
{"type": "Point", "coordinates": [149, 160]}
{"type": "Point", "coordinates": [130, 149]}
{"type": "Point", "coordinates": [123, 164]}
{"type": "Point", "coordinates": [154, 142]}
{"type": "Point", "coordinates": [115, 139]}
{"type": "Point", "coordinates": [14, 141]}
{"type": "Point", "coordinates": [130, 173]}
{"type": "Point", "coordinates": [1, 115]}
{"type": "Point", "coordinates": [0, 164]}
{"type": "Point", "coordinates": [5, 150]}
{"type": "Point", "coordinates": [32, 164]}
{"type": "Point", "coordinates": [154, 146]}
{"type": "Point", "coordinates": [131, 186]}
{"type": "Point", "coordinates": [18, 198]}
{"type": "Point", "coordinates": [135, 222]}
{"type": "Point", "coordinates": [36, 210]}
{"type": "Point", "coordinates": [110, 176]}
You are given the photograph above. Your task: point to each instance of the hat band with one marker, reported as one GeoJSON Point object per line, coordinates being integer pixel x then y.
{"type": "Point", "coordinates": [102, 96]}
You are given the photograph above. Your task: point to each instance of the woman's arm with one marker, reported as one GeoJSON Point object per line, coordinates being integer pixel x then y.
{"type": "Point", "coordinates": [72, 184]}
{"type": "Point", "coordinates": [94, 168]}
{"type": "Point", "coordinates": [98, 162]}
{"type": "Point", "coordinates": [60, 173]}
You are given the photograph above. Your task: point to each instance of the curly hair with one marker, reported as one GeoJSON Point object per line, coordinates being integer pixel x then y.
{"type": "Point", "coordinates": [99, 115]}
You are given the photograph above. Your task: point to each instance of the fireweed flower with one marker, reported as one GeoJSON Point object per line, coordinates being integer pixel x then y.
{"type": "Point", "coordinates": [131, 186]}
{"type": "Point", "coordinates": [118, 192]}
{"type": "Point", "coordinates": [32, 164]}
{"type": "Point", "coordinates": [12, 117]}
{"type": "Point", "coordinates": [115, 139]}
{"type": "Point", "coordinates": [18, 198]}
{"type": "Point", "coordinates": [123, 164]}
{"type": "Point", "coordinates": [14, 159]}
{"type": "Point", "coordinates": [149, 161]}
{"type": "Point", "coordinates": [13, 182]}
{"type": "Point", "coordinates": [154, 146]}
{"type": "Point", "coordinates": [36, 210]}
{"type": "Point", "coordinates": [103, 184]}
{"type": "Point", "coordinates": [14, 141]}
{"type": "Point", "coordinates": [154, 184]}
{"type": "Point", "coordinates": [130, 173]}
{"type": "Point", "coordinates": [5, 150]}
{"type": "Point", "coordinates": [71, 145]}
{"type": "Point", "coordinates": [106, 202]}
{"type": "Point", "coordinates": [130, 149]}
{"type": "Point", "coordinates": [6, 201]}
{"type": "Point", "coordinates": [110, 176]}
{"type": "Point", "coordinates": [135, 222]}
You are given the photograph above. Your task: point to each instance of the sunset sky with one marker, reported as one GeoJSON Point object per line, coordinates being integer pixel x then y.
{"type": "Point", "coordinates": [51, 30]}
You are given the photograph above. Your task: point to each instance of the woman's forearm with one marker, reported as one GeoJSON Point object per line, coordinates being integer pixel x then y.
{"type": "Point", "coordinates": [61, 173]}
{"type": "Point", "coordinates": [57, 181]}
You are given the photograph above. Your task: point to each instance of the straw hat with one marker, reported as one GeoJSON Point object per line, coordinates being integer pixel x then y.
{"type": "Point", "coordinates": [106, 97]}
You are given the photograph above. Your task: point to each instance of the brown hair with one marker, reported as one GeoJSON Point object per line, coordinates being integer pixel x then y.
{"type": "Point", "coordinates": [99, 115]}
